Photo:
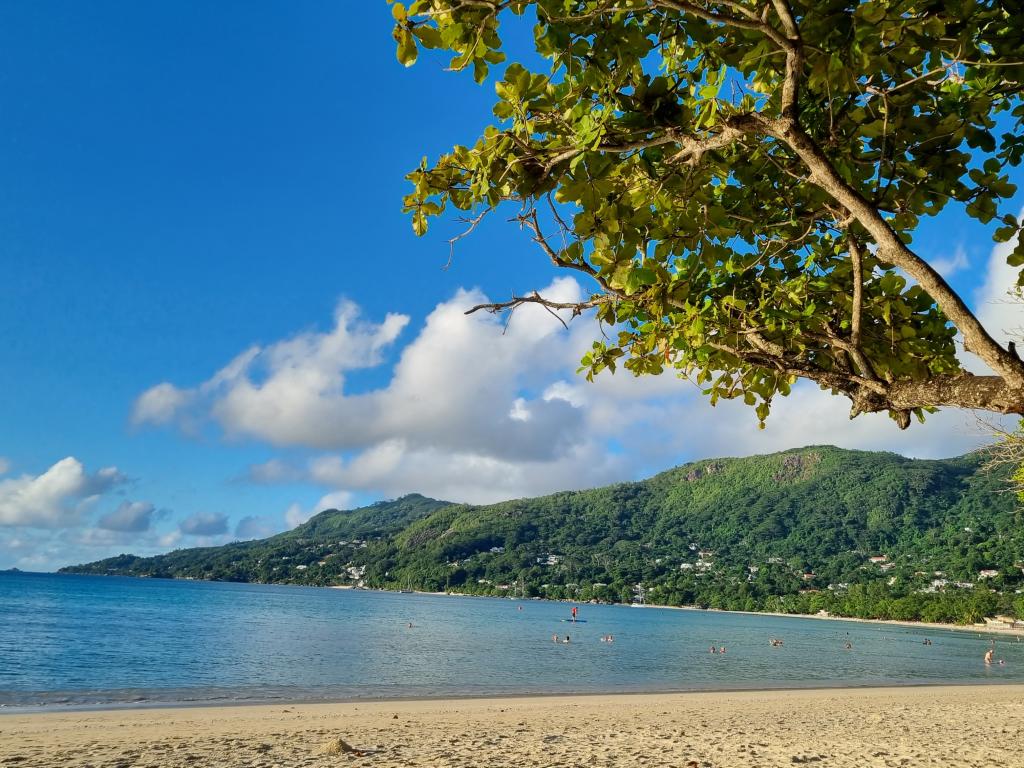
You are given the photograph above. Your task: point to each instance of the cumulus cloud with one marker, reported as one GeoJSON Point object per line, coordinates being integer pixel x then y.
{"type": "Point", "coordinates": [457, 386]}
{"type": "Point", "coordinates": [204, 524]}
{"type": "Point", "coordinates": [170, 539]}
{"type": "Point", "coordinates": [255, 527]}
{"type": "Point", "coordinates": [130, 516]}
{"type": "Point", "coordinates": [296, 514]}
{"type": "Point", "coordinates": [159, 405]}
{"type": "Point", "coordinates": [998, 308]}
{"type": "Point", "coordinates": [55, 498]}
{"type": "Point", "coordinates": [395, 468]}
{"type": "Point", "coordinates": [474, 411]}
{"type": "Point", "coordinates": [50, 549]}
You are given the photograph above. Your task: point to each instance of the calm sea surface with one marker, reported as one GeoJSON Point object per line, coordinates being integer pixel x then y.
{"type": "Point", "coordinates": [108, 640]}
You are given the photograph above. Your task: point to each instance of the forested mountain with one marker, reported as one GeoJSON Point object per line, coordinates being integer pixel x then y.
{"type": "Point", "coordinates": [819, 528]}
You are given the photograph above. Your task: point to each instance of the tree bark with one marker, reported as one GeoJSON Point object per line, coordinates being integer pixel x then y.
{"type": "Point", "coordinates": [983, 393]}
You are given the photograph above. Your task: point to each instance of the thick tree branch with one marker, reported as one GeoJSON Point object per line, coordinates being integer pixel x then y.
{"type": "Point", "coordinates": [794, 61]}
{"type": "Point", "coordinates": [985, 393]}
{"type": "Point", "coordinates": [858, 290]}
{"type": "Point", "coordinates": [892, 250]}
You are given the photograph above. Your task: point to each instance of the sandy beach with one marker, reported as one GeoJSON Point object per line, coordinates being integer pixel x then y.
{"type": "Point", "coordinates": [961, 726]}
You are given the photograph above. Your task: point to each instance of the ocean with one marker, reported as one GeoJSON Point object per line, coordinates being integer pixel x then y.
{"type": "Point", "coordinates": [112, 641]}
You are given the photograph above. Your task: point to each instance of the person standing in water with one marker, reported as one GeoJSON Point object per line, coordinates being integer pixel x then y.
{"type": "Point", "coordinates": [574, 609]}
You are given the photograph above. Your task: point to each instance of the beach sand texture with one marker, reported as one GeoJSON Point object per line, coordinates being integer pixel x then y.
{"type": "Point", "coordinates": [939, 726]}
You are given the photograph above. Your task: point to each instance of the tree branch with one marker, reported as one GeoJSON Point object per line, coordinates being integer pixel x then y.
{"type": "Point", "coordinates": [576, 307]}
{"type": "Point", "coordinates": [794, 60]}
{"type": "Point", "coordinates": [892, 250]}
{"type": "Point", "coordinates": [469, 230]}
{"type": "Point", "coordinates": [729, 20]}
{"type": "Point", "coordinates": [985, 393]}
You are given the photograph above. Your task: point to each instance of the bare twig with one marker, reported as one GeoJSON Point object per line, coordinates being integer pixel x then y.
{"type": "Point", "coordinates": [472, 225]}
{"type": "Point", "coordinates": [576, 307]}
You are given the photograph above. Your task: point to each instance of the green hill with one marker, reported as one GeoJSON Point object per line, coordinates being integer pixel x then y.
{"type": "Point", "coordinates": [797, 531]}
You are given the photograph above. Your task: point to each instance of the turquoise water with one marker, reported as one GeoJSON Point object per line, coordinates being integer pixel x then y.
{"type": "Point", "coordinates": [106, 640]}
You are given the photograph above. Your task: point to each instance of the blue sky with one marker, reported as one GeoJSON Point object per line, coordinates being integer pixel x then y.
{"type": "Point", "coordinates": [186, 183]}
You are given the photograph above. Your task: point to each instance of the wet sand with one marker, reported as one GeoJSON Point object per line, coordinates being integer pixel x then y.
{"type": "Point", "coordinates": [955, 725]}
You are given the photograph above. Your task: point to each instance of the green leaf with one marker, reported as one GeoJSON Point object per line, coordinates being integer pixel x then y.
{"type": "Point", "coordinates": [407, 51]}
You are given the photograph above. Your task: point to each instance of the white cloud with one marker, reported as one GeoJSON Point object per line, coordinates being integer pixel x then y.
{"type": "Point", "coordinates": [169, 539]}
{"type": "Point", "coordinates": [395, 468]}
{"type": "Point", "coordinates": [296, 515]}
{"type": "Point", "coordinates": [159, 405]}
{"type": "Point", "coordinates": [473, 411]}
{"type": "Point", "coordinates": [950, 265]}
{"type": "Point", "coordinates": [5, 466]}
{"type": "Point", "coordinates": [457, 386]}
{"type": "Point", "coordinates": [130, 516]}
{"type": "Point", "coordinates": [49, 549]}
{"type": "Point", "coordinates": [55, 498]}
{"type": "Point", "coordinates": [204, 524]}
{"type": "Point", "coordinates": [342, 500]}
{"type": "Point", "coordinates": [255, 527]}
{"type": "Point", "coordinates": [998, 309]}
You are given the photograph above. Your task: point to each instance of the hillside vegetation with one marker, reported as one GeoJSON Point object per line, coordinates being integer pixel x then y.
{"type": "Point", "coordinates": [850, 532]}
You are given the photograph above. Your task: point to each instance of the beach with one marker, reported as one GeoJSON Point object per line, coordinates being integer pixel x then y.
{"type": "Point", "coordinates": [921, 726]}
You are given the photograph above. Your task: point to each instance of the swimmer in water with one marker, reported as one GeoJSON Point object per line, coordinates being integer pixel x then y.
{"type": "Point", "coordinates": [988, 656]}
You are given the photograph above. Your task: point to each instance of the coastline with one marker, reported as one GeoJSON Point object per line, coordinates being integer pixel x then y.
{"type": "Point", "coordinates": [980, 628]}
{"type": "Point", "coordinates": [967, 725]}
{"type": "Point", "coordinates": [986, 628]}
{"type": "Point", "coordinates": [136, 703]}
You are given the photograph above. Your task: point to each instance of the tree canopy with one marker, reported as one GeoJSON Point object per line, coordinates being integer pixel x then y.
{"type": "Point", "coordinates": [741, 181]}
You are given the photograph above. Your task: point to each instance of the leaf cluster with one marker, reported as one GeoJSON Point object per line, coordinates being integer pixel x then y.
{"type": "Point", "coordinates": [646, 150]}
